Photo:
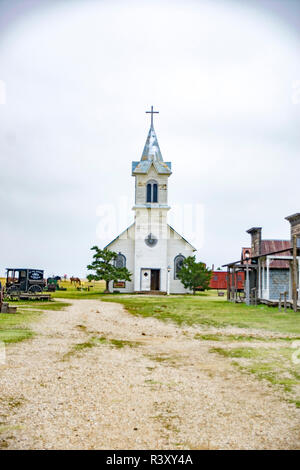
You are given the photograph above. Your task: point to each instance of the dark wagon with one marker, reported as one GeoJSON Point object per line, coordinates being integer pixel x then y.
{"type": "Point", "coordinates": [24, 280]}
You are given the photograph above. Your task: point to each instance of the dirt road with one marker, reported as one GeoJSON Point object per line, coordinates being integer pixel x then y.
{"type": "Point", "coordinates": [96, 377]}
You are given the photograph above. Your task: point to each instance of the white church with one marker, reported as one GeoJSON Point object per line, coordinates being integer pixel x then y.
{"type": "Point", "coordinates": [150, 248]}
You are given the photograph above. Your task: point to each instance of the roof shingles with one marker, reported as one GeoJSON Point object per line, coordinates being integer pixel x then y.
{"type": "Point", "coordinates": [271, 246]}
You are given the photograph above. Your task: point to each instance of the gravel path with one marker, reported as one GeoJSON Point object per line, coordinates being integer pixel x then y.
{"type": "Point", "coordinates": [165, 392]}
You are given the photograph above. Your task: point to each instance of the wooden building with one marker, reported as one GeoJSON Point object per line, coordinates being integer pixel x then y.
{"type": "Point", "coordinates": [271, 267]}
{"type": "Point", "coordinates": [219, 280]}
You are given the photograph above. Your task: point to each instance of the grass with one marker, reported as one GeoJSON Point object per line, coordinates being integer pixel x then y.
{"type": "Point", "coordinates": [270, 360]}
{"type": "Point", "coordinates": [273, 364]}
{"type": "Point", "coordinates": [39, 305]}
{"type": "Point", "coordinates": [119, 343]}
{"type": "Point", "coordinates": [96, 341]}
{"type": "Point", "coordinates": [236, 352]}
{"type": "Point", "coordinates": [15, 335]}
{"type": "Point", "coordinates": [229, 337]}
{"type": "Point", "coordinates": [207, 310]}
{"type": "Point", "coordinates": [81, 346]}
{"type": "Point", "coordinates": [16, 327]}
{"type": "Point", "coordinates": [241, 337]}
{"type": "Point", "coordinates": [96, 290]}
{"type": "Point", "coordinates": [171, 360]}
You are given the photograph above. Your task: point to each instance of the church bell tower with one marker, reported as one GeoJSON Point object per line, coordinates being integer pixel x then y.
{"type": "Point", "coordinates": [151, 207]}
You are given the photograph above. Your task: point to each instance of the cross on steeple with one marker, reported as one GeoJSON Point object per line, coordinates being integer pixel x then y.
{"type": "Point", "coordinates": [152, 112]}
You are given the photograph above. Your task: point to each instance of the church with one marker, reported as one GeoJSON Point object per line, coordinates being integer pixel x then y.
{"type": "Point", "coordinates": [150, 248]}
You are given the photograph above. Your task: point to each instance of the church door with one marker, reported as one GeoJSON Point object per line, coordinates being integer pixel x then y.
{"type": "Point", "coordinates": [145, 279]}
{"type": "Point", "coordinates": [155, 279]}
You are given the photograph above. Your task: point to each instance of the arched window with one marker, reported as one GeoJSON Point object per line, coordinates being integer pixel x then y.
{"type": "Point", "coordinates": [178, 260]}
{"type": "Point", "coordinates": [120, 261]}
{"type": "Point", "coordinates": [152, 194]}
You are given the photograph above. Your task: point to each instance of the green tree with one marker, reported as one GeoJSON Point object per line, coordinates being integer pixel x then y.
{"type": "Point", "coordinates": [104, 268]}
{"type": "Point", "coordinates": [194, 275]}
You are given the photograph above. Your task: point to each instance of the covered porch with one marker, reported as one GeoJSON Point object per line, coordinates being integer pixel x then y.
{"type": "Point", "coordinates": [275, 278]}
{"type": "Point", "coordinates": [249, 293]}
{"type": "Point", "coordinates": [269, 279]}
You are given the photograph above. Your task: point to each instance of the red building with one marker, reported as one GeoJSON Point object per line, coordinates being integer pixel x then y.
{"type": "Point", "coordinates": [219, 280]}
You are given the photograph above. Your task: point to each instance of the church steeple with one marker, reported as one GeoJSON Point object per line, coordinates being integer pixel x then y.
{"type": "Point", "coordinates": [151, 150]}
{"type": "Point", "coordinates": [151, 154]}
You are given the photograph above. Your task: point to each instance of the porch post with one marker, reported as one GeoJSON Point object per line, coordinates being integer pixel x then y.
{"type": "Point", "coordinates": [295, 273]}
{"type": "Point", "coordinates": [299, 280]}
{"type": "Point", "coordinates": [233, 284]}
{"type": "Point", "coordinates": [268, 279]}
{"type": "Point", "coordinates": [168, 279]}
{"type": "Point", "coordinates": [247, 286]}
{"type": "Point", "coordinates": [290, 279]}
{"type": "Point", "coordinates": [259, 279]}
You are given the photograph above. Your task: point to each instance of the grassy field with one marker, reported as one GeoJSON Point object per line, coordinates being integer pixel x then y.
{"type": "Point", "coordinates": [207, 309]}
{"type": "Point", "coordinates": [16, 327]}
{"type": "Point", "coordinates": [95, 289]}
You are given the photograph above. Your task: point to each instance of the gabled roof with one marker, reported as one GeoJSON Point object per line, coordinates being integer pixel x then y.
{"type": "Point", "coordinates": [171, 228]}
{"type": "Point", "coordinates": [119, 235]}
{"type": "Point", "coordinates": [194, 249]}
{"type": "Point", "coordinates": [269, 246]}
{"type": "Point", "coordinates": [151, 156]}
{"type": "Point", "coordinates": [143, 167]}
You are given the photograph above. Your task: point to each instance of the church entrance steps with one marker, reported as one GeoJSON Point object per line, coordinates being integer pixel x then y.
{"type": "Point", "coordinates": [151, 292]}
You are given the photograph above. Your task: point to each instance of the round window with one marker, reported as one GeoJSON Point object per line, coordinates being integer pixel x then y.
{"type": "Point", "coordinates": [151, 240]}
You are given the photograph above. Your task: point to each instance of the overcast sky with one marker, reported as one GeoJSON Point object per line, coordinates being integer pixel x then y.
{"type": "Point", "coordinates": [79, 76]}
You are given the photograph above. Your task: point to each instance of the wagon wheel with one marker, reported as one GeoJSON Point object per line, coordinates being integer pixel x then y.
{"type": "Point", "coordinates": [13, 290]}
{"type": "Point", "coordinates": [35, 289]}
